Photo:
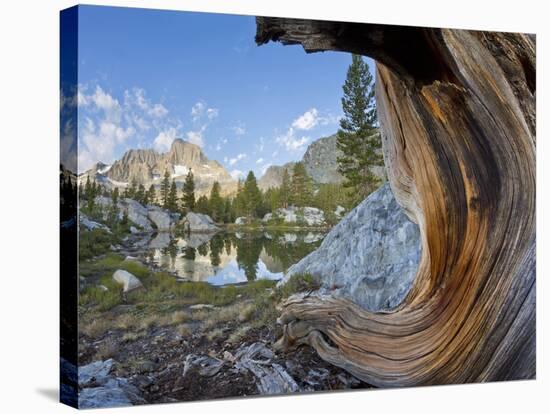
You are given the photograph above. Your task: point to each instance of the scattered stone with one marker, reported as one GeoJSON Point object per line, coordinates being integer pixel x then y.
{"type": "Point", "coordinates": [241, 220]}
{"type": "Point", "coordinates": [257, 359]}
{"type": "Point", "coordinates": [103, 288]}
{"type": "Point", "coordinates": [339, 211]}
{"type": "Point", "coordinates": [205, 365]}
{"type": "Point", "coordinates": [199, 306]}
{"type": "Point", "coordinates": [134, 230]}
{"type": "Point", "coordinates": [127, 280]}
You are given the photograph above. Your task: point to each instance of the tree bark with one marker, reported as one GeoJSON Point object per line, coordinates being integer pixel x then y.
{"type": "Point", "coordinates": [457, 113]}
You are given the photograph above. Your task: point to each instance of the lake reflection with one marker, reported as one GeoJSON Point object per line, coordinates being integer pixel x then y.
{"type": "Point", "coordinates": [225, 258]}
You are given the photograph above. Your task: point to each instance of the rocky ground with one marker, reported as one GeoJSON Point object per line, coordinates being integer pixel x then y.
{"type": "Point", "coordinates": [156, 347]}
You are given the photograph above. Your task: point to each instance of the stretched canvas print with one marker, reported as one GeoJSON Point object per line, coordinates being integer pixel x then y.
{"type": "Point", "coordinates": [266, 205]}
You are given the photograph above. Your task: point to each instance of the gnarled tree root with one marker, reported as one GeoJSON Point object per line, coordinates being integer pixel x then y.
{"type": "Point", "coordinates": [457, 112]}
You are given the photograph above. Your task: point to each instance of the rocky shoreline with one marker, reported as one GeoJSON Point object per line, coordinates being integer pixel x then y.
{"type": "Point", "coordinates": [193, 351]}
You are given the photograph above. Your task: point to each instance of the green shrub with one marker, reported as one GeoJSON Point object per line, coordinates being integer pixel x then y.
{"type": "Point", "coordinates": [94, 243]}
{"type": "Point", "coordinates": [298, 283]}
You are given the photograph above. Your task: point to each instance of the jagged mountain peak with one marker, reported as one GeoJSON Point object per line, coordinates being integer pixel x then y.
{"type": "Point", "coordinates": [147, 166]}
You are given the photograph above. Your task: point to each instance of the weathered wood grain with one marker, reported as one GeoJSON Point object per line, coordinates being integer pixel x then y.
{"type": "Point", "coordinates": [457, 111]}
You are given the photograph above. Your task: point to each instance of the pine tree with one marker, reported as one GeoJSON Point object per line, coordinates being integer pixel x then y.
{"type": "Point", "coordinates": [188, 197]}
{"type": "Point", "coordinates": [140, 194]}
{"type": "Point", "coordinates": [358, 139]}
{"type": "Point", "coordinates": [112, 213]}
{"type": "Point", "coordinates": [238, 203]}
{"type": "Point", "coordinates": [228, 216]}
{"type": "Point", "coordinates": [252, 196]}
{"type": "Point", "coordinates": [115, 196]}
{"type": "Point", "coordinates": [301, 193]}
{"type": "Point", "coordinates": [151, 196]}
{"type": "Point", "coordinates": [87, 189]}
{"type": "Point", "coordinates": [132, 190]}
{"type": "Point", "coordinates": [284, 190]}
{"type": "Point", "coordinates": [172, 200]}
{"type": "Point", "coordinates": [201, 206]}
{"type": "Point", "coordinates": [215, 203]}
{"type": "Point", "coordinates": [165, 189]}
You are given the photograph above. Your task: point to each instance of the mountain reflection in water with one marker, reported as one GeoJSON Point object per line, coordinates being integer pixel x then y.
{"type": "Point", "coordinates": [226, 258]}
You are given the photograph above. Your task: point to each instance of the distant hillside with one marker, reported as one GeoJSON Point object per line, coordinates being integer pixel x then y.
{"type": "Point", "coordinates": [320, 161]}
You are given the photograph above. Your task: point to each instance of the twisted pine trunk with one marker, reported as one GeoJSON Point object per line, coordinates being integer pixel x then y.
{"type": "Point", "coordinates": [457, 111]}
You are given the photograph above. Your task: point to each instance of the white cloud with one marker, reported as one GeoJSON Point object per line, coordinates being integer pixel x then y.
{"type": "Point", "coordinates": [164, 139]}
{"type": "Point", "coordinates": [136, 97]}
{"type": "Point", "coordinates": [100, 142]}
{"type": "Point", "coordinates": [239, 130]}
{"type": "Point", "coordinates": [262, 145]}
{"type": "Point", "coordinates": [238, 158]}
{"type": "Point", "coordinates": [236, 174]}
{"type": "Point", "coordinates": [212, 113]}
{"type": "Point", "coordinates": [201, 109]}
{"type": "Point", "coordinates": [197, 111]}
{"type": "Point", "coordinates": [307, 121]}
{"type": "Point", "coordinates": [259, 160]}
{"type": "Point", "coordinates": [291, 142]}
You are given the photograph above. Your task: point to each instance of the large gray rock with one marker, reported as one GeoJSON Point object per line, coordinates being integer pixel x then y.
{"type": "Point", "coordinates": [370, 257]}
{"type": "Point", "coordinates": [160, 217]}
{"type": "Point", "coordinates": [128, 281]}
{"type": "Point", "coordinates": [137, 213]}
{"type": "Point", "coordinates": [309, 216]}
{"type": "Point", "coordinates": [95, 372]}
{"type": "Point", "coordinates": [160, 241]}
{"type": "Point", "coordinates": [90, 224]}
{"type": "Point", "coordinates": [196, 222]}
{"type": "Point", "coordinates": [100, 388]}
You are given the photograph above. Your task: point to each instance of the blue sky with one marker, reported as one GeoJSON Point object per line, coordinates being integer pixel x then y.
{"type": "Point", "coordinates": [147, 77]}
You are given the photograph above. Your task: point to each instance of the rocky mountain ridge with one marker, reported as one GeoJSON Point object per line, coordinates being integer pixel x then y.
{"type": "Point", "coordinates": [147, 166]}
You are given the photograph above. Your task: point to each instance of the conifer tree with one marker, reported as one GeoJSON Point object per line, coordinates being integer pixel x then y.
{"type": "Point", "coordinates": [114, 196]}
{"type": "Point", "coordinates": [172, 201]}
{"type": "Point", "coordinates": [284, 190]}
{"type": "Point", "coordinates": [188, 197]}
{"type": "Point", "coordinates": [238, 204]}
{"type": "Point", "coordinates": [228, 216]}
{"type": "Point", "coordinates": [87, 188]}
{"type": "Point", "coordinates": [301, 186]}
{"type": "Point", "coordinates": [165, 189]}
{"type": "Point", "coordinates": [201, 206]}
{"type": "Point", "coordinates": [215, 203]}
{"type": "Point", "coordinates": [132, 190]}
{"type": "Point", "coordinates": [358, 139]}
{"type": "Point", "coordinates": [151, 195]}
{"type": "Point", "coordinates": [252, 196]}
{"type": "Point", "coordinates": [140, 194]}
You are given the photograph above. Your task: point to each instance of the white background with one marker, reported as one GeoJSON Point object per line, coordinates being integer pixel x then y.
{"type": "Point", "coordinates": [29, 100]}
